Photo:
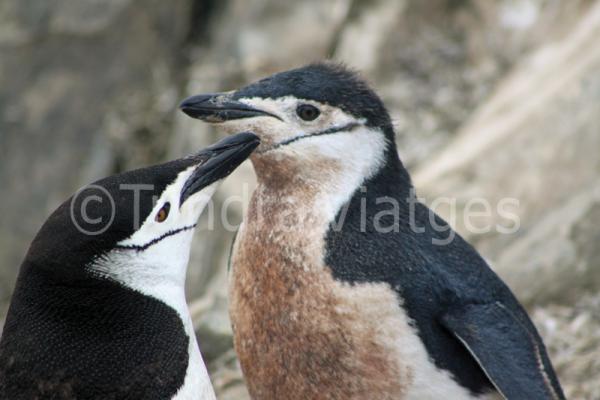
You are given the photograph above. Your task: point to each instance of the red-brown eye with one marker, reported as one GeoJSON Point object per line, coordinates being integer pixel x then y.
{"type": "Point", "coordinates": [163, 213]}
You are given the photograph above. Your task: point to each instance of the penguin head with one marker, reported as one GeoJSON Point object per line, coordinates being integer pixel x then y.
{"type": "Point", "coordinates": [143, 218]}
{"type": "Point", "coordinates": [318, 114]}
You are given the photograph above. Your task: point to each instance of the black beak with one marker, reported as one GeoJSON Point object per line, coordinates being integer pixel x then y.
{"type": "Point", "coordinates": [221, 159]}
{"type": "Point", "coordinates": [219, 107]}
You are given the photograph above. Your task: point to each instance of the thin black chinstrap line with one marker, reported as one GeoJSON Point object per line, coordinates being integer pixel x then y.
{"type": "Point", "coordinates": [154, 241]}
{"type": "Point", "coordinates": [329, 131]}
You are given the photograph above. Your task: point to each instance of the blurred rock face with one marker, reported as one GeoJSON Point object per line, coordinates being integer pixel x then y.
{"type": "Point", "coordinates": [87, 87]}
{"type": "Point", "coordinates": [535, 140]}
{"type": "Point", "coordinates": [490, 100]}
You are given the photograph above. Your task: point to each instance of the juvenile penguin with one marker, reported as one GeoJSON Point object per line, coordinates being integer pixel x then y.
{"type": "Point", "coordinates": [343, 285]}
{"type": "Point", "coordinates": [99, 309]}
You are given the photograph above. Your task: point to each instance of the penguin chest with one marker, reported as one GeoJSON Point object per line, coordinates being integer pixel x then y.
{"type": "Point", "coordinates": [301, 334]}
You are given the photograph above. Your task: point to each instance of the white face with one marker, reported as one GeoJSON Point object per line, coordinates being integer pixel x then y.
{"type": "Point", "coordinates": [290, 125]}
{"type": "Point", "coordinates": [159, 226]}
{"type": "Point", "coordinates": [333, 148]}
{"type": "Point", "coordinates": [154, 259]}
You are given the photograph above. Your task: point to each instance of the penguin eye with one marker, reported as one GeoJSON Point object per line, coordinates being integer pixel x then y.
{"type": "Point", "coordinates": [307, 112]}
{"type": "Point", "coordinates": [163, 213]}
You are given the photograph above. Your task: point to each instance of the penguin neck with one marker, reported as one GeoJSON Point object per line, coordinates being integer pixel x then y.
{"type": "Point", "coordinates": [96, 289]}
{"type": "Point", "coordinates": [322, 185]}
{"type": "Point", "coordinates": [391, 180]}
{"type": "Point", "coordinates": [326, 170]}
{"type": "Point", "coordinates": [151, 275]}
{"type": "Point", "coordinates": [54, 303]}
{"type": "Point", "coordinates": [90, 292]}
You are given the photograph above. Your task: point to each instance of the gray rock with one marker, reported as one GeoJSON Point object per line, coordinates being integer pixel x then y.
{"type": "Point", "coordinates": [84, 17]}
{"type": "Point", "coordinates": [534, 143]}
{"type": "Point", "coordinates": [213, 327]}
{"type": "Point", "coordinates": [227, 379]}
{"type": "Point", "coordinates": [81, 94]}
{"type": "Point", "coordinates": [559, 258]}
{"type": "Point", "coordinates": [571, 336]}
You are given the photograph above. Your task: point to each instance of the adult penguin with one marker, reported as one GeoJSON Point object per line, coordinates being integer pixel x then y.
{"type": "Point", "coordinates": [99, 309]}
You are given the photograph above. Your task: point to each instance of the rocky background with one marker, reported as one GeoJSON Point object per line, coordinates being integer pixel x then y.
{"type": "Point", "coordinates": [491, 99]}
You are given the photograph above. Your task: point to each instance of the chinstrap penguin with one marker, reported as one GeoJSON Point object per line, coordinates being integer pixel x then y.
{"type": "Point", "coordinates": [99, 309]}
{"type": "Point", "coordinates": [343, 285]}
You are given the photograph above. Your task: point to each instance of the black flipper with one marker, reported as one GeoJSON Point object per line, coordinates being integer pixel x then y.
{"type": "Point", "coordinates": [511, 355]}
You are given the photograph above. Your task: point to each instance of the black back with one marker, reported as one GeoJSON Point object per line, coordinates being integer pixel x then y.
{"type": "Point", "coordinates": [431, 279]}
{"type": "Point", "coordinates": [96, 340]}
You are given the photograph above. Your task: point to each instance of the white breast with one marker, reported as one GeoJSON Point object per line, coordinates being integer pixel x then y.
{"type": "Point", "coordinates": [197, 382]}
